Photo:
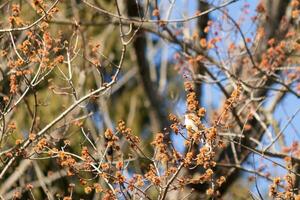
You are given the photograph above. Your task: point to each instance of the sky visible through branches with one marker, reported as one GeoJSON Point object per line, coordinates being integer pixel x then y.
{"type": "Point", "coordinates": [241, 11]}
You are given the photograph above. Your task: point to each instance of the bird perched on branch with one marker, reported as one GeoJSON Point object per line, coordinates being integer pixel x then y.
{"type": "Point", "coordinates": [192, 122]}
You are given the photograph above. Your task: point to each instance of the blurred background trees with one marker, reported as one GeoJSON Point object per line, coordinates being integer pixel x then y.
{"type": "Point", "coordinates": [71, 70]}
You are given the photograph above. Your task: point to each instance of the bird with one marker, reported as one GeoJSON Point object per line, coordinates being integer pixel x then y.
{"type": "Point", "coordinates": [192, 124]}
{"type": "Point", "coordinates": [191, 121]}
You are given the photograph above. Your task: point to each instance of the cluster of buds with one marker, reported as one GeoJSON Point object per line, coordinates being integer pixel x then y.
{"type": "Point", "coordinates": [161, 148]}
{"type": "Point", "coordinates": [111, 140]}
{"type": "Point", "coordinates": [127, 132]}
{"type": "Point", "coordinates": [229, 105]}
